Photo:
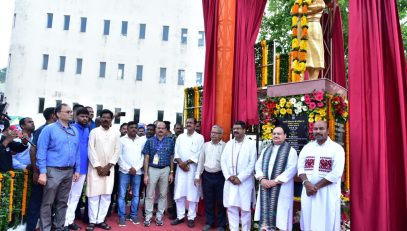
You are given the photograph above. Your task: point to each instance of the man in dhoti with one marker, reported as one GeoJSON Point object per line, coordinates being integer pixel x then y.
{"type": "Point", "coordinates": [275, 170]}
{"type": "Point", "coordinates": [104, 149]}
{"type": "Point", "coordinates": [237, 161]}
{"type": "Point", "coordinates": [320, 167]}
{"type": "Point", "coordinates": [187, 149]}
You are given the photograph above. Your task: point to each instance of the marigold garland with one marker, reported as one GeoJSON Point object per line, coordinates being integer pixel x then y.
{"type": "Point", "coordinates": [196, 103]}
{"type": "Point", "coordinates": [331, 120]}
{"type": "Point", "coordinates": [25, 189]}
{"type": "Point", "coordinates": [1, 183]}
{"type": "Point", "coordinates": [10, 212]}
{"type": "Point", "coordinates": [264, 60]}
{"type": "Point", "coordinates": [347, 158]}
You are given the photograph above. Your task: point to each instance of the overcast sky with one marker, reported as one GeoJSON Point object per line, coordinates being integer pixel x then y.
{"type": "Point", "coordinates": [6, 18]}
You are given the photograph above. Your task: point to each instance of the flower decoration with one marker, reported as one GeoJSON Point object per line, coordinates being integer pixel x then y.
{"type": "Point", "coordinates": [340, 108]}
{"type": "Point", "coordinates": [299, 22]}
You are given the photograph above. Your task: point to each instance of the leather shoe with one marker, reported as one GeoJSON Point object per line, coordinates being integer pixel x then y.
{"type": "Point", "coordinates": [191, 223]}
{"type": "Point", "coordinates": [74, 226]}
{"type": "Point", "coordinates": [177, 221]}
{"type": "Point", "coordinates": [104, 226]}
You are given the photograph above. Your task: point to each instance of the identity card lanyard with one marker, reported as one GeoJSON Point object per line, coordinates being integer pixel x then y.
{"type": "Point", "coordinates": [158, 146]}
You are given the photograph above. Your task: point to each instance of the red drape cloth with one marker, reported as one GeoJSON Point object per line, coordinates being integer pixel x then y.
{"type": "Point", "coordinates": [378, 119]}
{"type": "Point", "coordinates": [210, 13]}
{"type": "Point", "coordinates": [248, 19]}
{"type": "Point", "coordinates": [338, 54]}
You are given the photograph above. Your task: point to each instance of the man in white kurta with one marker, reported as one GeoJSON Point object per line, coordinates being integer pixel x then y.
{"type": "Point", "coordinates": [187, 149]}
{"type": "Point", "coordinates": [284, 217]}
{"type": "Point", "coordinates": [104, 149]}
{"type": "Point", "coordinates": [238, 160]}
{"type": "Point", "coordinates": [320, 167]}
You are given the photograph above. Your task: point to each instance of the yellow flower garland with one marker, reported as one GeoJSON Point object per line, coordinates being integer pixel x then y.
{"type": "Point", "coordinates": [185, 104]}
{"type": "Point", "coordinates": [1, 182]}
{"type": "Point", "coordinates": [347, 158]}
{"type": "Point", "coordinates": [264, 59]}
{"type": "Point", "coordinates": [196, 103]}
{"type": "Point", "coordinates": [299, 48]}
{"type": "Point", "coordinates": [10, 212]}
{"type": "Point", "coordinates": [331, 120]}
{"type": "Point", "coordinates": [24, 200]}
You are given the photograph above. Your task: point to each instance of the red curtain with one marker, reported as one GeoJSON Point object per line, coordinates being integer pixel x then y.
{"type": "Point", "coordinates": [210, 13]}
{"type": "Point", "coordinates": [248, 19]}
{"type": "Point", "coordinates": [338, 54]}
{"type": "Point", "coordinates": [378, 119]}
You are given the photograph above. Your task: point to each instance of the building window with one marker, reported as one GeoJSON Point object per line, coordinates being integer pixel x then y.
{"type": "Point", "coordinates": [199, 78]}
{"type": "Point", "coordinates": [58, 102]}
{"type": "Point", "coordinates": [102, 69]}
{"type": "Point", "coordinates": [41, 103]}
{"type": "Point", "coordinates": [178, 117]}
{"type": "Point", "coordinates": [50, 16]}
{"type": "Point", "coordinates": [67, 18]}
{"type": "Point", "coordinates": [62, 60]}
{"type": "Point", "coordinates": [184, 36]}
{"type": "Point", "coordinates": [163, 74]}
{"type": "Point", "coordinates": [124, 28]}
{"type": "Point", "coordinates": [83, 24]}
{"type": "Point", "coordinates": [106, 27]}
{"type": "Point", "coordinates": [160, 115]}
{"type": "Point", "coordinates": [99, 108]}
{"type": "Point", "coordinates": [142, 33]}
{"type": "Point", "coordinates": [120, 71]}
{"type": "Point", "coordinates": [166, 30]}
{"type": "Point", "coordinates": [14, 20]}
{"type": "Point", "coordinates": [181, 77]}
{"type": "Point", "coordinates": [117, 117]}
{"type": "Point", "coordinates": [201, 39]}
{"type": "Point", "coordinates": [139, 74]}
{"type": "Point", "coordinates": [136, 116]}
{"type": "Point", "coordinates": [78, 66]}
{"type": "Point", "coordinates": [45, 58]}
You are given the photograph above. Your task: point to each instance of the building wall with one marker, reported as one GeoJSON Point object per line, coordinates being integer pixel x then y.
{"type": "Point", "coordinates": [26, 82]}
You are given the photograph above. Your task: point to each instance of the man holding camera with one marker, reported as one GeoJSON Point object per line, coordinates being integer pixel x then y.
{"type": "Point", "coordinates": [104, 148]}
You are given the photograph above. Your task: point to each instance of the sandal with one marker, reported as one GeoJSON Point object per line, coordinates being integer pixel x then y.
{"type": "Point", "coordinates": [104, 226]}
{"type": "Point", "coordinates": [90, 227]}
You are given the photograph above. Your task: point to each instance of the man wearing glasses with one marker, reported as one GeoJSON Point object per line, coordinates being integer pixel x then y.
{"type": "Point", "coordinates": [209, 172]}
{"type": "Point", "coordinates": [58, 160]}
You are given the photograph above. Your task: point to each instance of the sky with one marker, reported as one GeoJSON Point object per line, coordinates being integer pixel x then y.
{"type": "Point", "coordinates": [6, 18]}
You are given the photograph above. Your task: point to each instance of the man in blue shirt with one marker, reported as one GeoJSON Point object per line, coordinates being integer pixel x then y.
{"type": "Point", "coordinates": [158, 170]}
{"type": "Point", "coordinates": [82, 117]}
{"type": "Point", "coordinates": [91, 123]}
{"type": "Point", "coordinates": [58, 157]}
{"type": "Point", "coordinates": [34, 204]}
{"type": "Point", "coordinates": [22, 159]}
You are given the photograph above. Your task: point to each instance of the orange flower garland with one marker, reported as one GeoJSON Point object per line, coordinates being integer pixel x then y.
{"type": "Point", "coordinates": [24, 200]}
{"type": "Point", "coordinates": [196, 103]}
{"type": "Point", "coordinates": [347, 158]}
{"type": "Point", "coordinates": [264, 67]}
{"type": "Point", "coordinates": [1, 182]}
{"type": "Point", "coordinates": [10, 212]}
{"type": "Point", "coordinates": [331, 120]}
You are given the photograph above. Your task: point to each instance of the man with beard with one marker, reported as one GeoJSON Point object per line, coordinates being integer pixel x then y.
{"type": "Point", "coordinates": [178, 129]}
{"type": "Point", "coordinates": [91, 123]}
{"type": "Point", "coordinates": [187, 150]}
{"type": "Point", "coordinates": [123, 129]}
{"type": "Point", "coordinates": [81, 124]}
{"type": "Point", "coordinates": [238, 160]}
{"type": "Point", "coordinates": [22, 160]}
{"type": "Point", "coordinates": [150, 132]}
{"type": "Point", "coordinates": [104, 149]}
{"type": "Point", "coordinates": [275, 170]}
{"type": "Point", "coordinates": [320, 167]}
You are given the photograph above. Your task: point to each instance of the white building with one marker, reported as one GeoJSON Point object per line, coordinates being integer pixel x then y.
{"type": "Point", "coordinates": [135, 56]}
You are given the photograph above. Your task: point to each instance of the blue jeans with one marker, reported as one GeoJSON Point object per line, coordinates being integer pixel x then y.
{"type": "Point", "coordinates": [124, 180]}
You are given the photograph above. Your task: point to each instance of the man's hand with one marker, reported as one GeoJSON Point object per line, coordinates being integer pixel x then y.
{"type": "Point", "coordinates": [106, 169]}
{"type": "Point", "coordinates": [234, 180]}
{"type": "Point", "coordinates": [197, 182]}
{"type": "Point", "coordinates": [29, 167]}
{"type": "Point", "coordinates": [100, 171]}
{"type": "Point", "coordinates": [75, 177]}
{"type": "Point", "coordinates": [183, 166]}
{"type": "Point", "coordinates": [171, 178]}
{"type": "Point", "coordinates": [42, 179]}
{"type": "Point", "coordinates": [132, 171]}
{"type": "Point", "coordinates": [237, 181]}
{"type": "Point", "coordinates": [35, 177]}
{"type": "Point", "coordinates": [310, 188]}
{"type": "Point", "coordinates": [266, 183]}
{"type": "Point", "coordinates": [146, 180]}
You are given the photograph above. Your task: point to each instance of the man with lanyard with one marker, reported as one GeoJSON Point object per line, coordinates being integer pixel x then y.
{"type": "Point", "coordinates": [275, 170]}
{"type": "Point", "coordinates": [209, 172]}
{"type": "Point", "coordinates": [104, 149]}
{"type": "Point", "coordinates": [58, 157]}
{"type": "Point", "coordinates": [34, 204]}
{"type": "Point", "coordinates": [130, 168]}
{"type": "Point", "coordinates": [158, 169]}
{"type": "Point", "coordinates": [320, 167]}
{"type": "Point", "coordinates": [82, 117]}
{"type": "Point", "coordinates": [237, 161]}
{"type": "Point", "coordinates": [187, 149]}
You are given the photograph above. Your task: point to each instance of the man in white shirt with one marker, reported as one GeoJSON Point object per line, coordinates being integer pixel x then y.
{"type": "Point", "coordinates": [130, 169]}
{"type": "Point", "coordinates": [237, 161]}
{"type": "Point", "coordinates": [275, 170]}
{"type": "Point", "coordinates": [320, 167]}
{"type": "Point", "coordinates": [187, 149]}
{"type": "Point", "coordinates": [210, 173]}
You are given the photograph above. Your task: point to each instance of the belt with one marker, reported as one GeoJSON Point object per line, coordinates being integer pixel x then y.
{"type": "Point", "coordinates": [213, 173]}
{"type": "Point", "coordinates": [61, 168]}
{"type": "Point", "coordinates": [159, 167]}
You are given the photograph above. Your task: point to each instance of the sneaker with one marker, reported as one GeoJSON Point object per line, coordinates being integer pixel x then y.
{"type": "Point", "coordinates": [128, 218]}
{"type": "Point", "coordinates": [191, 223]}
{"type": "Point", "coordinates": [74, 226]}
{"type": "Point", "coordinates": [122, 222]}
{"type": "Point", "coordinates": [159, 222]}
{"type": "Point", "coordinates": [135, 220]}
{"type": "Point", "coordinates": [206, 227]}
{"type": "Point", "coordinates": [147, 223]}
{"type": "Point", "coordinates": [177, 221]}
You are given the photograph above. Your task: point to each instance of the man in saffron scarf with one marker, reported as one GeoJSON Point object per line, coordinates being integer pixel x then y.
{"type": "Point", "coordinates": [275, 170]}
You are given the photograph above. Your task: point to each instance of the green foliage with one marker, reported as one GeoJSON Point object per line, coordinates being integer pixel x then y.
{"type": "Point", "coordinates": [402, 10]}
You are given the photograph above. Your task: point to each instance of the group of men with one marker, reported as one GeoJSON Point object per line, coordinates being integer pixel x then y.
{"type": "Point", "coordinates": [70, 150]}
